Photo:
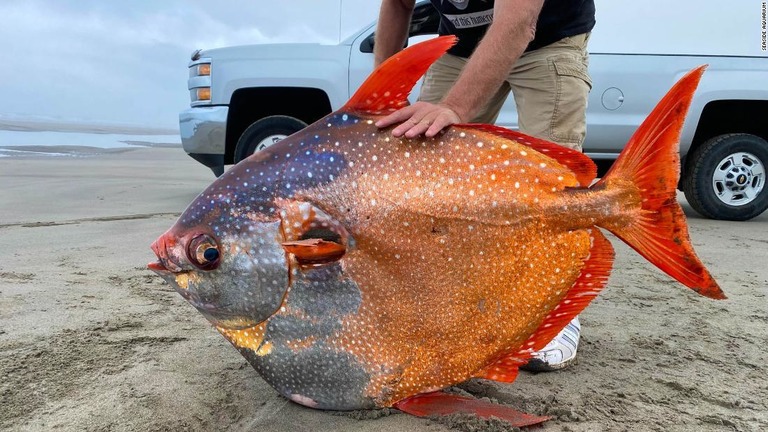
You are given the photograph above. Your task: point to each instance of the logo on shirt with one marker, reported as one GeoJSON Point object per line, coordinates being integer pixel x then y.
{"type": "Point", "coordinates": [459, 4]}
{"type": "Point", "coordinates": [470, 20]}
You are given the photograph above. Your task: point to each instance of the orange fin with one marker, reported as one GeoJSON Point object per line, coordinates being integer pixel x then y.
{"type": "Point", "coordinates": [315, 251]}
{"type": "Point", "coordinates": [387, 88]}
{"type": "Point", "coordinates": [651, 161]}
{"type": "Point", "coordinates": [439, 403]}
{"type": "Point", "coordinates": [581, 165]}
{"type": "Point", "coordinates": [593, 278]}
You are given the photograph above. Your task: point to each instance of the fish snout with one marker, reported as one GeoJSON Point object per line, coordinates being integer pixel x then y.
{"type": "Point", "coordinates": [163, 249]}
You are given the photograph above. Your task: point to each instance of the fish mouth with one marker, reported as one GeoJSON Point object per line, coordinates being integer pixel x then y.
{"type": "Point", "coordinates": [158, 268]}
{"type": "Point", "coordinates": [175, 278]}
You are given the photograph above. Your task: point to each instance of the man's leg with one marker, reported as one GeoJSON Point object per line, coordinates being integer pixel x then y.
{"type": "Point", "coordinates": [551, 86]}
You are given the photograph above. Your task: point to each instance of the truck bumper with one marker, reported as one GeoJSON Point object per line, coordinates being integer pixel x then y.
{"type": "Point", "coordinates": [203, 135]}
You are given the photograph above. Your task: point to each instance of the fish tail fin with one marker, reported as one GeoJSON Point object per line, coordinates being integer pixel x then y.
{"type": "Point", "coordinates": [386, 89]}
{"type": "Point", "coordinates": [651, 163]}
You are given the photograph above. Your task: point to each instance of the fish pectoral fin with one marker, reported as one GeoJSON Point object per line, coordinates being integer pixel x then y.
{"type": "Point", "coordinates": [315, 250]}
{"type": "Point", "coordinates": [443, 404]}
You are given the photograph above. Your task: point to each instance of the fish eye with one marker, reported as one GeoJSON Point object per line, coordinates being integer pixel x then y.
{"type": "Point", "coordinates": [203, 252]}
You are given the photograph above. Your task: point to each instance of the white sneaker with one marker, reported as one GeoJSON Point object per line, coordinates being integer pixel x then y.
{"type": "Point", "coordinates": [559, 352]}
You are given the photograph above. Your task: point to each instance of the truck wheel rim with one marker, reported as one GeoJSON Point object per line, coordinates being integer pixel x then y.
{"type": "Point", "coordinates": [738, 179]}
{"type": "Point", "coordinates": [268, 141]}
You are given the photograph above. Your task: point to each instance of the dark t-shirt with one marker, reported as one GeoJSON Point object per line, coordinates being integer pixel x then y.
{"type": "Point", "coordinates": [469, 19]}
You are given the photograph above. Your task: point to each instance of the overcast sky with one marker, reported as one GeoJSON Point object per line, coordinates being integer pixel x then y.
{"type": "Point", "coordinates": [126, 61]}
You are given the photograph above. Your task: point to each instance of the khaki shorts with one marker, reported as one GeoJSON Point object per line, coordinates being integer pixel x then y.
{"type": "Point", "coordinates": [550, 86]}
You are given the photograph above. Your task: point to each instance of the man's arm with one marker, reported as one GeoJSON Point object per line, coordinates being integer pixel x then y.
{"type": "Point", "coordinates": [513, 27]}
{"type": "Point", "coordinates": [392, 28]}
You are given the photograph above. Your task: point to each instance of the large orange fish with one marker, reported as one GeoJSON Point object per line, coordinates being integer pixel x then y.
{"type": "Point", "coordinates": [357, 270]}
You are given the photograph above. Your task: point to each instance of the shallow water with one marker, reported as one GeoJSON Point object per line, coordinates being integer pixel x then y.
{"type": "Point", "coordinates": [75, 144]}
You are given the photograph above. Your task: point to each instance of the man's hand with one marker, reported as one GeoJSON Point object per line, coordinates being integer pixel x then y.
{"type": "Point", "coordinates": [420, 118]}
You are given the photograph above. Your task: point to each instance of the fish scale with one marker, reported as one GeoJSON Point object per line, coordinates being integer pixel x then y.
{"type": "Point", "coordinates": [354, 269]}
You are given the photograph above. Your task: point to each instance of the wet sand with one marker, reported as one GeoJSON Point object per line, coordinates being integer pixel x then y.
{"type": "Point", "coordinates": [92, 341]}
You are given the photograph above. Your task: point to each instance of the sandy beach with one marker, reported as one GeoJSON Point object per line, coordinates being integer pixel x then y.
{"type": "Point", "coordinates": [90, 340]}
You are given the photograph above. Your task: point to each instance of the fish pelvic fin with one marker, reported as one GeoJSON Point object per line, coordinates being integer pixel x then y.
{"type": "Point", "coordinates": [443, 404]}
{"type": "Point", "coordinates": [651, 163]}
{"type": "Point", "coordinates": [591, 280]}
{"type": "Point", "coordinates": [386, 89]}
{"type": "Point", "coordinates": [581, 165]}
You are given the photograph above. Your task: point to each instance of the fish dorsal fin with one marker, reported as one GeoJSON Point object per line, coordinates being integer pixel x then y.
{"type": "Point", "coordinates": [581, 165]}
{"type": "Point", "coordinates": [386, 89]}
{"type": "Point", "coordinates": [591, 281]}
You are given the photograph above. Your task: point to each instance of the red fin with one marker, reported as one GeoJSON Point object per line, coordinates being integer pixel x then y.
{"type": "Point", "coordinates": [581, 165]}
{"type": "Point", "coordinates": [439, 403]}
{"type": "Point", "coordinates": [651, 161]}
{"type": "Point", "coordinates": [315, 251]}
{"type": "Point", "coordinates": [593, 278]}
{"type": "Point", "coordinates": [505, 369]}
{"type": "Point", "coordinates": [387, 88]}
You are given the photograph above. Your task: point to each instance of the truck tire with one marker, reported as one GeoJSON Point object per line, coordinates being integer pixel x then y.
{"type": "Point", "coordinates": [265, 132]}
{"type": "Point", "coordinates": [725, 177]}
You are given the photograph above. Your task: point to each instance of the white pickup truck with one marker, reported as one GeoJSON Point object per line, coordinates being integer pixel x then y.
{"type": "Point", "coordinates": [245, 98]}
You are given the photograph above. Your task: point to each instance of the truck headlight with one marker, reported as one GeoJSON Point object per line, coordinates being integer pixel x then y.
{"type": "Point", "coordinates": [201, 69]}
{"type": "Point", "coordinates": [199, 83]}
{"type": "Point", "coordinates": [201, 94]}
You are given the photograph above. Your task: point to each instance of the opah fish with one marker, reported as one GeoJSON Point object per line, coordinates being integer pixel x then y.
{"type": "Point", "coordinates": [357, 270]}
